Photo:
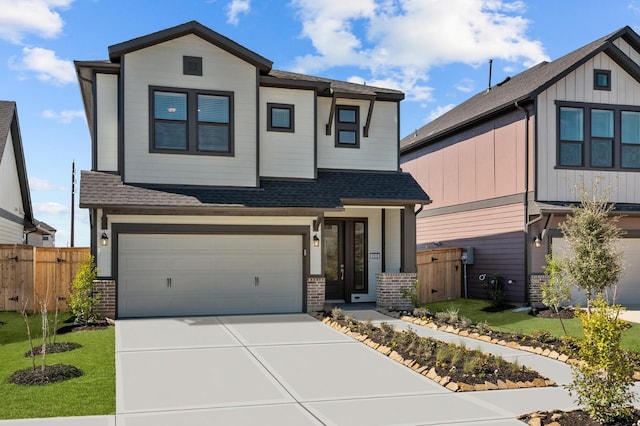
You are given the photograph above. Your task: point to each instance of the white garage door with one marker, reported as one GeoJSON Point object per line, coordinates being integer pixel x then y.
{"type": "Point", "coordinates": [173, 275]}
{"type": "Point", "coordinates": [628, 289]}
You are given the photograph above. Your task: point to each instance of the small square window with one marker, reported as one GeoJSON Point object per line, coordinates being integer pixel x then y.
{"type": "Point", "coordinates": [280, 118]}
{"type": "Point", "coordinates": [192, 65]}
{"type": "Point", "coordinates": [602, 80]}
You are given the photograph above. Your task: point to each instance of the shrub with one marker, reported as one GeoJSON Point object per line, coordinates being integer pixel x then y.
{"type": "Point", "coordinates": [412, 294]}
{"type": "Point", "coordinates": [556, 291]}
{"type": "Point", "coordinates": [603, 381]}
{"type": "Point", "coordinates": [82, 300]}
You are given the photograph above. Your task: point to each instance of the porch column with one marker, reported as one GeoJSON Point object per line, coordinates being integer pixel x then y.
{"type": "Point", "coordinates": [408, 240]}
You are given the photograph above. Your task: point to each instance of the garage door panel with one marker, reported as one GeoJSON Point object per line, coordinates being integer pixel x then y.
{"type": "Point", "coordinates": [628, 288]}
{"type": "Point", "coordinates": [209, 274]}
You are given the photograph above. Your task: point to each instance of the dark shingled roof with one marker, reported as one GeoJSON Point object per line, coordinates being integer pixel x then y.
{"type": "Point", "coordinates": [520, 88]}
{"type": "Point", "coordinates": [329, 190]}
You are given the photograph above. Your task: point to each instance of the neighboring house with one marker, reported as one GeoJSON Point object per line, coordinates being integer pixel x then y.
{"type": "Point", "coordinates": [502, 166]}
{"type": "Point", "coordinates": [220, 185]}
{"type": "Point", "coordinates": [43, 235]}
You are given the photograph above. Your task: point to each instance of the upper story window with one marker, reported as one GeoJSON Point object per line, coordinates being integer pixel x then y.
{"type": "Point", "coordinates": [598, 136]}
{"type": "Point", "coordinates": [347, 126]}
{"type": "Point", "coordinates": [602, 79]}
{"type": "Point", "coordinates": [191, 122]}
{"type": "Point", "coordinates": [192, 65]}
{"type": "Point", "coordinates": [280, 117]}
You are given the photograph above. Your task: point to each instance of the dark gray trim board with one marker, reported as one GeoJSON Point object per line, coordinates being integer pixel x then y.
{"type": "Point", "coordinates": [475, 205]}
{"type": "Point", "coordinates": [199, 229]}
{"type": "Point", "coordinates": [5, 214]}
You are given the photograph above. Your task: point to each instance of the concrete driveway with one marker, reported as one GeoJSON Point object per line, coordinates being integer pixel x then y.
{"type": "Point", "coordinates": [275, 369]}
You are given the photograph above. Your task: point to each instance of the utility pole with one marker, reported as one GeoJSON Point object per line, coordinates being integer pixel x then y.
{"type": "Point", "coordinates": [73, 199]}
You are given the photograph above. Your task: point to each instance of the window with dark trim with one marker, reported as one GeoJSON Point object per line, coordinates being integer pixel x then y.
{"type": "Point", "coordinates": [190, 121]}
{"type": "Point", "coordinates": [192, 65]}
{"type": "Point", "coordinates": [347, 126]}
{"type": "Point", "coordinates": [280, 118]}
{"type": "Point", "coordinates": [598, 136]}
{"type": "Point", "coordinates": [602, 80]}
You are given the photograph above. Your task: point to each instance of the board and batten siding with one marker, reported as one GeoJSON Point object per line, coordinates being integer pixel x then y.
{"type": "Point", "coordinates": [288, 154]}
{"type": "Point", "coordinates": [490, 163]}
{"type": "Point", "coordinates": [379, 151]}
{"type": "Point", "coordinates": [558, 184]}
{"type": "Point", "coordinates": [497, 237]}
{"type": "Point", "coordinates": [107, 122]}
{"type": "Point", "coordinates": [10, 196]}
{"type": "Point", "coordinates": [161, 65]}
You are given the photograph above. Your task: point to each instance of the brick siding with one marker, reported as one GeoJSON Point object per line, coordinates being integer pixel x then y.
{"type": "Point", "coordinates": [315, 293]}
{"type": "Point", "coordinates": [535, 295]}
{"type": "Point", "coordinates": [107, 303]}
{"type": "Point", "coordinates": [390, 288]}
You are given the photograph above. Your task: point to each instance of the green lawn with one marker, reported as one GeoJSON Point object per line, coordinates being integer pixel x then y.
{"type": "Point", "coordinates": [522, 322]}
{"type": "Point", "coordinates": [91, 394]}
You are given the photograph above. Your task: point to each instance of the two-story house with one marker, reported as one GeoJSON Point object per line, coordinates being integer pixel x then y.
{"type": "Point", "coordinates": [222, 186]}
{"type": "Point", "coordinates": [17, 224]}
{"type": "Point", "coordinates": [502, 166]}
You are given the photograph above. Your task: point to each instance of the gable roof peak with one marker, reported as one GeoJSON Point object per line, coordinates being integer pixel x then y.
{"type": "Point", "coordinates": [192, 27]}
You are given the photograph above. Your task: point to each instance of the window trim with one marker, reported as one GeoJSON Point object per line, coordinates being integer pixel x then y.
{"type": "Point", "coordinates": [587, 137]}
{"type": "Point", "coordinates": [597, 86]}
{"type": "Point", "coordinates": [197, 60]}
{"type": "Point", "coordinates": [192, 122]}
{"type": "Point", "coordinates": [340, 125]}
{"type": "Point", "coordinates": [290, 108]}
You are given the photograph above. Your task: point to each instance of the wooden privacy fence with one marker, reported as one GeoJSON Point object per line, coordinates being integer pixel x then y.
{"type": "Point", "coordinates": [31, 274]}
{"type": "Point", "coordinates": [439, 274]}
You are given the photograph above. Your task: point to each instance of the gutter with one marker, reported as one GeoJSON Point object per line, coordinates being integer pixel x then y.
{"type": "Point", "coordinates": [527, 247]}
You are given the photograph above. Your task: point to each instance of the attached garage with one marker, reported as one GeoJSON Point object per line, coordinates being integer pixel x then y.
{"type": "Point", "coordinates": [209, 274]}
{"type": "Point", "coordinates": [628, 290]}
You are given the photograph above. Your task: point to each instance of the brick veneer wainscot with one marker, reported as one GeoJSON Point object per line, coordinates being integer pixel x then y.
{"type": "Point", "coordinates": [315, 293]}
{"type": "Point", "coordinates": [535, 282]}
{"type": "Point", "coordinates": [390, 288]}
{"type": "Point", "coordinates": [107, 303]}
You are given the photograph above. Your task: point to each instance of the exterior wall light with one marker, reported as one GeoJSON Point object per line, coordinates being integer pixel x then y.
{"type": "Point", "coordinates": [104, 239]}
{"type": "Point", "coordinates": [316, 240]}
{"type": "Point", "coordinates": [537, 241]}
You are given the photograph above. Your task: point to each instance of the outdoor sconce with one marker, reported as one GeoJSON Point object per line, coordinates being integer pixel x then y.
{"type": "Point", "coordinates": [537, 241]}
{"type": "Point", "coordinates": [316, 240]}
{"type": "Point", "coordinates": [104, 239]}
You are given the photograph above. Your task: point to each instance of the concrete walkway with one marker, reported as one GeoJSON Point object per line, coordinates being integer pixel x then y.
{"type": "Point", "coordinates": [294, 370]}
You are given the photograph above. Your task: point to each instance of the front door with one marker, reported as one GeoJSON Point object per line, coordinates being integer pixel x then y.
{"type": "Point", "coordinates": [344, 257]}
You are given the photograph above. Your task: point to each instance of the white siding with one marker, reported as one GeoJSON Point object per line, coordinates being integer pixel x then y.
{"type": "Point", "coordinates": [393, 240]}
{"type": "Point", "coordinates": [107, 122]}
{"type": "Point", "coordinates": [161, 65]}
{"type": "Point", "coordinates": [10, 196]}
{"type": "Point", "coordinates": [379, 151]}
{"type": "Point", "coordinates": [557, 184]}
{"type": "Point", "coordinates": [284, 154]}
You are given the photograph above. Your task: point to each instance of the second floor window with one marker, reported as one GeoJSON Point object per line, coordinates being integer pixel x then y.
{"type": "Point", "coordinates": [347, 126]}
{"type": "Point", "coordinates": [191, 122]}
{"type": "Point", "coordinates": [280, 117]}
{"type": "Point", "coordinates": [598, 136]}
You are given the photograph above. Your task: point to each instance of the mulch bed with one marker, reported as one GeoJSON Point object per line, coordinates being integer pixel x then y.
{"type": "Point", "coordinates": [572, 418]}
{"type": "Point", "coordinates": [564, 313]}
{"type": "Point", "coordinates": [55, 348]}
{"type": "Point", "coordinates": [52, 374]}
{"type": "Point", "coordinates": [457, 368]}
{"type": "Point", "coordinates": [95, 325]}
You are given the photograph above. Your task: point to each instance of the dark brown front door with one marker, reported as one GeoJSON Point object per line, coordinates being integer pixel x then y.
{"type": "Point", "coordinates": [345, 258]}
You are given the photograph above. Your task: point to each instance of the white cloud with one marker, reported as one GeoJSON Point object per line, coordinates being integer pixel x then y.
{"type": "Point", "coordinates": [403, 39]}
{"type": "Point", "coordinates": [63, 117]}
{"type": "Point", "coordinates": [466, 85]}
{"type": "Point", "coordinates": [438, 111]}
{"type": "Point", "coordinates": [235, 8]}
{"type": "Point", "coordinates": [50, 208]}
{"type": "Point", "coordinates": [39, 17]}
{"type": "Point", "coordinates": [48, 67]}
{"type": "Point", "coordinates": [37, 184]}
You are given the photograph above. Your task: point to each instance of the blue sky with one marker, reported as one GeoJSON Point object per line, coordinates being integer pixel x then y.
{"type": "Point", "coordinates": [436, 51]}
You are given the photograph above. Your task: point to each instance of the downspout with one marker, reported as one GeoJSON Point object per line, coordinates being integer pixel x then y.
{"type": "Point", "coordinates": [526, 203]}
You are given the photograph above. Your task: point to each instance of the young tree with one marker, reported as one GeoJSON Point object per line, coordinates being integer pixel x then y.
{"type": "Point", "coordinates": [594, 262]}
{"type": "Point", "coordinates": [556, 291]}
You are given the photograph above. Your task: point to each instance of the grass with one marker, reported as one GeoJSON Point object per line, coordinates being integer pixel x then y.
{"type": "Point", "coordinates": [91, 394]}
{"type": "Point", "coordinates": [522, 322]}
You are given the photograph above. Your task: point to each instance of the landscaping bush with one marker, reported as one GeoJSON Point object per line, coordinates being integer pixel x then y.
{"type": "Point", "coordinates": [82, 300]}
